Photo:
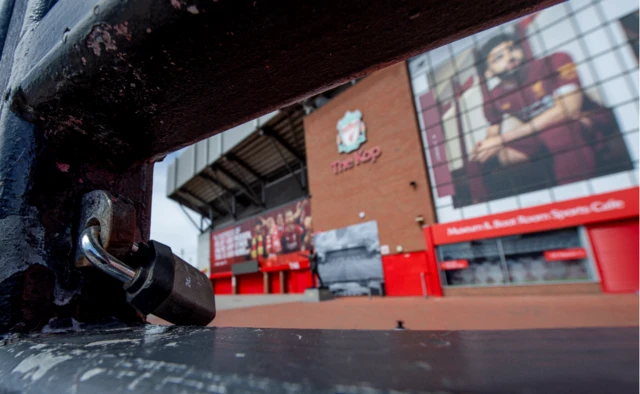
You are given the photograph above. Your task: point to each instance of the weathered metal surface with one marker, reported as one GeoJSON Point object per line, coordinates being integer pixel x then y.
{"type": "Point", "coordinates": [116, 218]}
{"type": "Point", "coordinates": [224, 360]}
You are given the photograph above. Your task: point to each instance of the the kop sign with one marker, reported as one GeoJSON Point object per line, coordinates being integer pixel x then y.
{"type": "Point", "coordinates": [352, 132]}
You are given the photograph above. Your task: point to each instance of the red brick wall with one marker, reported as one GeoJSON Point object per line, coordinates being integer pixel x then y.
{"type": "Point", "coordinates": [382, 189]}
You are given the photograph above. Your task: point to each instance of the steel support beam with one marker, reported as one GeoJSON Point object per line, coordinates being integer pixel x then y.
{"type": "Point", "coordinates": [183, 201]}
{"type": "Point", "coordinates": [284, 161]}
{"type": "Point", "coordinates": [270, 133]}
{"type": "Point", "coordinates": [208, 178]}
{"type": "Point", "coordinates": [234, 207]}
{"type": "Point", "coordinates": [248, 191]}
{"type": "Point", "coordinates": [235, 159]}
{"type": "Point", "coordinates": [184, 210]}
{"type": "Point", "coordinates": [230, 191]}
{"type": "Point", "coordinates": [217, 183]}
{"type": "Point", "coordinates": [193, 196]}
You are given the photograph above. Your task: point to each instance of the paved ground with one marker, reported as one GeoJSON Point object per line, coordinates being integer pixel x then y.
{"type": "Point", "coordinates": [224, 303]}
{"type": "Point", "coordinates": [468, 313]}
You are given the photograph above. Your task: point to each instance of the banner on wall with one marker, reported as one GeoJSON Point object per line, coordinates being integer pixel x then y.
{"type": "Point", "coordinates": [526, 106]}
{"type": "Point", "coordinates": [275, 238]}
{"type": "Point", "coordinates": [349, 259]}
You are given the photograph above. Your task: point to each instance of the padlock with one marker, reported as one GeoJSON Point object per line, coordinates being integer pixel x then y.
{"type": "Point", "coordinates": [161, 283]}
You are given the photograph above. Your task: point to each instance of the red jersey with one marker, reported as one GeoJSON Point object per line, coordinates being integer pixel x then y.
{"type": "Point", "coordinates": [540, 80]}
{"type": "Point", "coordinates": [292, 240]}
{"type": "Point", "coordinates": [273, 241]}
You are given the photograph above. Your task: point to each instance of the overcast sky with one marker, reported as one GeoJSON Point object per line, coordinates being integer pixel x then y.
{"type": "Point", "coordinates": [169, 225]}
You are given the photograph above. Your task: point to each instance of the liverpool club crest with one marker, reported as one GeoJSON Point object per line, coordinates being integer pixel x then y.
{"type": "Point", "coordinates": [352, 132]}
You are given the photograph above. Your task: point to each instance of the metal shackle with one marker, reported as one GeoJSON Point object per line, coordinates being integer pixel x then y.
{"type": "Point", "coordinates": [101, 259]}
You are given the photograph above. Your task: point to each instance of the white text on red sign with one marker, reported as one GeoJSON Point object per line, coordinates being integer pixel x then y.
{"type": "Point", "coordinates": [565, 254]}
{"type": "Point", "coordinates": [454, 264]}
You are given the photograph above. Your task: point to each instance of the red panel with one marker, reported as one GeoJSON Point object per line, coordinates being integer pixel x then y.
{"type": "Point", "coordinates": [274, 282]}
{"type": "Point", "coordinates": [250, 283]}
{"type": "Point", "coordinates": [220, 275]}
{"type": "Point", "coordinates": [593, 209]}
{"type": "Point", "coordinates": [222, 286]}
{"type": "Point", "coordinates": [616, 248]}
{"type": "Point", "coordinates": [434, 287]}
{"type": "Point", "coordinates": [402, 273]}
{"type": "Point", "coordinates": [298, 281]}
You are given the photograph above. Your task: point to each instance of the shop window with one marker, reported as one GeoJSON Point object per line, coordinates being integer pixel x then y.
{"type": "Point", "coordinates": [475, 263]}
{"type": "Point", "coordinates": [537, 258]}
{"type": "Point", "coordinates": [545, 257]}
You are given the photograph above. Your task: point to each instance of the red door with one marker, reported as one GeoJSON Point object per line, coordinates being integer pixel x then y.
{"type": "Point", "coordinates": [615, 246]}
{"type": "Point", "coordinates": [402, 275]}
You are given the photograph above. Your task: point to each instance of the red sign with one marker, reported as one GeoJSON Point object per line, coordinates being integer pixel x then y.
{"type": "Point", "coordinates": [565, 254]}
{"type": "Point", "coordinates": [598, 208]}
{"type": "Point", "coordinates": [274, 238]}
{"type": "Point", "coordinates": [454, 265]}
{"type": "Point", "coordinates": [359, 157]}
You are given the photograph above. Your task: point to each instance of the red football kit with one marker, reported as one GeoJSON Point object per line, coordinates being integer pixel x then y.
{"type": "Point", "coordinates": [292, 240]}
{"type": "Point", "coordinates": [273, 241]}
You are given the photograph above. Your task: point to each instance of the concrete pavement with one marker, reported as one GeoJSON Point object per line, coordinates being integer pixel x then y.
{"type": "Point", "coordinates": [461, 313]}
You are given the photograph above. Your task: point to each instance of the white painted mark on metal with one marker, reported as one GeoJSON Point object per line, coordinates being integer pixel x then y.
{"type": "Point", "coordinates": [299, 336]}
{"type": "Point", "coordinates": [132, 385]}
{"type": "Point", "coordinates": [91, 373]}
{"type": "Point", "coordinates": [111, 342]}
{"type": "Point", "coordinates": [153, 329]}
{"type": "Point", "coordinates": [126, 374]}
{"type": "Point", "coordinates": [172, 379]}
{"type": "Point", "coordinates": [39, 364]}
{"type": "Point", "coordinates": [239, 355]}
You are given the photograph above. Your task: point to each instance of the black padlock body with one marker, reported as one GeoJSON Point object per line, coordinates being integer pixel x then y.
{"type": "Point", "coordinates": [155, 278]}
{"type": "Point", "coordinates": [170, 288]}
{"type": "Point", "coordinates": [192, 301]}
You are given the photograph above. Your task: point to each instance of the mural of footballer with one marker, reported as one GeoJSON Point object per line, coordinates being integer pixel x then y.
{"type": "Point", "coordinates": [559, 124]}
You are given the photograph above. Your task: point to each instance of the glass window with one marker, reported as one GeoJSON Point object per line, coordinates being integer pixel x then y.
{"type": "Point", "coordinates": [546, 257]}
{"type": "Point", "coordinates": [537, 258]}
{"type": "Point", "coordinates": [475, 263]}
